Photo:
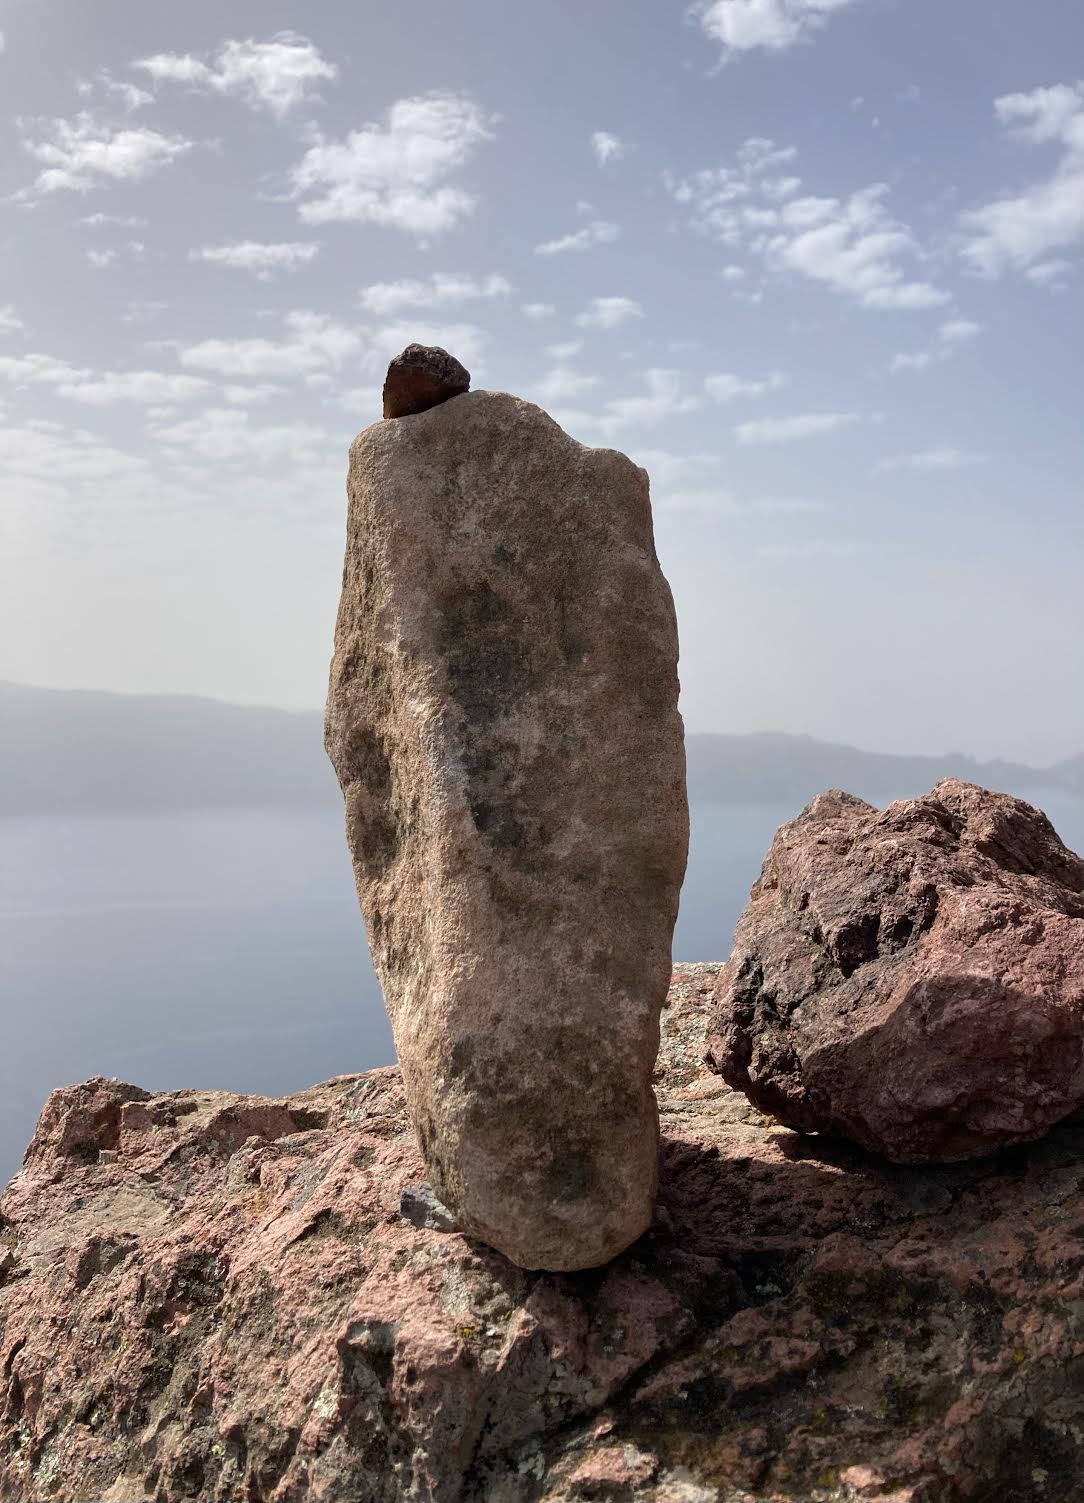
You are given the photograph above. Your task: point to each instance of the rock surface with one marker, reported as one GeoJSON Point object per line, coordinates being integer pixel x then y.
{"type": "Point", "coordinates": [911, 978]}
{"type": "Point", "coordinates": [217, 1298]}
{"type": "Point", "coordinates": [421, 377]}
{"type": "Point", "coordinates": [502, 716]}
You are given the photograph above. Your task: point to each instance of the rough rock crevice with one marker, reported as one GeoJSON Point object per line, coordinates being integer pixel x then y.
{"type": "Point", "coordinates": [250, 1315]}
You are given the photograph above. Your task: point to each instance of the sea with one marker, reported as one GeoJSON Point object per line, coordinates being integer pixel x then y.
{"type": "Point", "coordinates": [224, 948]}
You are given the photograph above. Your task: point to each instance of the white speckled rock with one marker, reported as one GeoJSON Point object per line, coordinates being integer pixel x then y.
{"type": "Point", "coordinates": [502, 717]}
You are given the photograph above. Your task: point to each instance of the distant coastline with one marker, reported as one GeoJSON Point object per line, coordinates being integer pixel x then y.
{"type": "Point", "coordinates": [94, 752]}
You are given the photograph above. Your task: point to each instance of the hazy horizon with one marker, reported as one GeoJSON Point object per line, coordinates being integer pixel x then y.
{"type": "Point", "coordinates": [762, 731]}
{"type": "Point", "coordinates": [815, 266]}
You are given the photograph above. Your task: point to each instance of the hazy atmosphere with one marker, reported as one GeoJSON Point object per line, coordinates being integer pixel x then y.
{"type": "Point", "coordinates": [815, 265]}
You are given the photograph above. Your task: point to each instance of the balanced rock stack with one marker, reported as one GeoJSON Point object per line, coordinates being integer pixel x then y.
{"type": "Point", "coordinates": [502, 717]}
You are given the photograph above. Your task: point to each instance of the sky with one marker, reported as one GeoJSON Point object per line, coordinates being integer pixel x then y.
{"type": "Point", "coordinates": [815, 264]}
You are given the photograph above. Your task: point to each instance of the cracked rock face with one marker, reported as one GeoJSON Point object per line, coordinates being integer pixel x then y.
{"type": "Point", "coordinates": [217, 1297]}
{"type": "Point", "coordinates": [502, 717]}
{"type": "Point", "coordinates": [911, 978]}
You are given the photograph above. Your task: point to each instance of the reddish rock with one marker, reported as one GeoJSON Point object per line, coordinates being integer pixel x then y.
{"type": "Point", "coordinates": [229, 1304]}
{"type": "Point", "coordinates": [421, 377]}
{"type": "Point", "coordinates": [911, 978]}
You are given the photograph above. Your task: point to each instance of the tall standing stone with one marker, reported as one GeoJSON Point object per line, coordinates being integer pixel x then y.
{"type": "Point", "coordinates": [502, 717]}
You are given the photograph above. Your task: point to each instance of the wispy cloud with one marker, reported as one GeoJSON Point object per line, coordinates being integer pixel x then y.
{"type": "Point", "coordinates": [262, 258]}
{"type": "Point", "coordinates": [395, 174]}
{"type": "Point", "coordinates": [128, 95]}
{"type": "Point", "coordinates": [562, 384]}
{"type": "Point", "coordinates": [442, 289]}
{"type": "Point", "coordinates": [85, 152]}
{"type": "Point", "coordinates": [122, 221]}
{"type": "Point", "coordinates": [787, 430]}
{"type": "Point", "coordinates": [769, 25]}
{"type": "Point", "coordinates": [953, 333]}
{"type": "Point", "coordinates": [57, 454]}
{"type": "Point", "coordinates": [1019, 229]}
{"type": "Point", "coordinates": [277, 75]}
{"type": "Point", "coordinates": [608, 312]}
{"type": "Point", "coordinates": [724, 386]}
{"type": "Point", "coordinates": [312, 342]}
{"type": "Point", "coordinates": [10, 322]}
{"type": "Point", "coordinates": [598, 232]}
{"type": "Point", "coordinates": [662, 399]}
{"type": "Point", "coordinates": [538, 311]}
{"type": "Point", "coordinates": [851, 245]}
{"type": "Point", "coordinates": [607, 147]}
{"type": "Point", "coordinates": [943, 457]}
{"type": "Point", "coordinates": [227, 434]}
{"type": "Point", "coordinates": [100, 388]}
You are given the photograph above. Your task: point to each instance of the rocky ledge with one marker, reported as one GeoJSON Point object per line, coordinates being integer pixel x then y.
{"type": "Point", "coordinates": [215, 1297]}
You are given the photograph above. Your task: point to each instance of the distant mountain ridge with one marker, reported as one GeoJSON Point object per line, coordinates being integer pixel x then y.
{"type": "Point", "coordinates": [95, 752]}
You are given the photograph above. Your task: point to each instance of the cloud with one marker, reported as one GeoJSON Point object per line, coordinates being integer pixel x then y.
{"type": "Point", "coordinates": [916, 361]}
{"type": "Point", "coordinates": [1019, 229]}
{"type": "Point", "coordinates": [957, 330]}
{"type": "Point", "coordinates": [54, 453]}
{"type": "Point", "coordinates": [725, 386]}
{"type": "Point", "coordinates": [950, 336]}
{"type": "Point", "coordinates": [564, 351]}
{"type": "Point", "coordinates": [598, 232]}
{"type": "Point", "coordinates": [226, 434]}
{"type": "Point", "coordinates": [561, 383]}
{"type": "Point", "coordinates": [10, 322]}
{"type": "Point", "coordinates": [786, 430]}
{"type": "Point", "coordinates": [100, 388]}
{"type": "Point", "coordinates": [251, 396]}
{"type": "Point", "coordinates": [743, 25]}
{"type": "Point", "coordinates": [662, 399]}
{"type": "Point", "coordinates": [262, 258]}
{"type": "Point", "coordinates": [608, 312]}
{"type": "Point", "coordinates": [124, 221]}
{"type": "Point", "coordinates": [394, 174]}
{"type": "Point", "coordinates": [100, 259]}
{"type": "Point", "coordinates": [142, 310]}
{"type": "Point", "coordinates": [129, 95]}
{"type": "Point", "coordinates": [851, 245]}
{"type": "Point", "coordinates": [607, 147]}
{"type": "Point", "coordinates": [1052, 273]}
{"type": "Point", "coordinates": [84, 153]}
{"type": "Point", "coordinates": [943, 457]}
{"type": "Point", "coordinates": [385, 299]}
{"type": "Point", "coordinates": [276, 76]}
{"type": "Point", "coordinates": [539, 310]}
{"type": "Point", "coordinates": [313, 342]}
{"type": "Point", "coordinates": [733, 274]}
{"type": "Point", "coordinates": [854, 247]}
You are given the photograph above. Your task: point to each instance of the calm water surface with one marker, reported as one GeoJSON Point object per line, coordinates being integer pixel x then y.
{"type": "Point", "coordinates": [225, 948]}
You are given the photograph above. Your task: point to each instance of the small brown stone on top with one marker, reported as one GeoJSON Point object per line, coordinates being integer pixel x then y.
{"type": "Point", "coordinates": [421, 377]}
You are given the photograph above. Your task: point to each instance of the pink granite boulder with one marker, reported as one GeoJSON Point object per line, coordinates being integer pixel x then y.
{"type": "Point", "coordinates": [911, 978]}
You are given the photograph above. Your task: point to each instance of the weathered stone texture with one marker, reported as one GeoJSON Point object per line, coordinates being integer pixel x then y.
{"type": "Point", "coordinates": [911, 978]}
{"type": "Point", "coordinates": [421, 377]}
{"type": "Point", "coordinates": [217, 1298]}
{"type": "Point", "coordinates": [503, 720]}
